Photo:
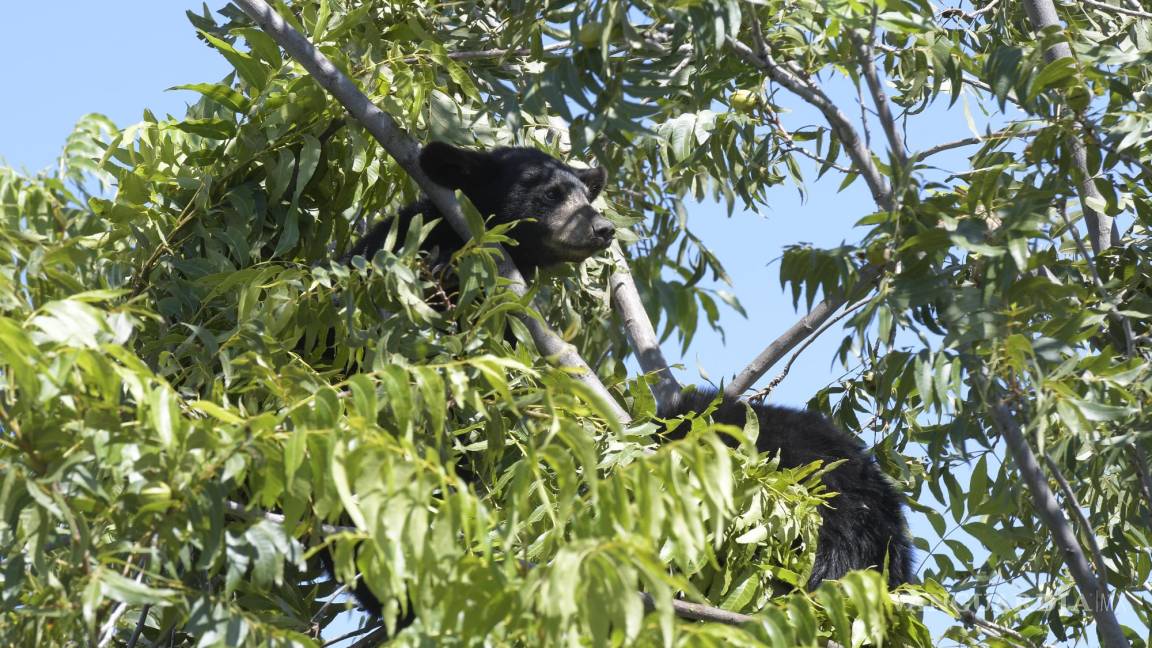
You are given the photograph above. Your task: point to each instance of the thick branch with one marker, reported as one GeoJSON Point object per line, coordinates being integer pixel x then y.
{"type": "Point", "coordinates": [626, 301]}
{"type": "Point", "coordinates": [792, 337]}
{"type": "Point", "coordinates": [809, 92]}
{"type": "Point", "coordinates": [405, 150]}
{"type": "Point", "coordinates": [1042, 15]}
{"type": "Point", "coordinates": [1048, 510]}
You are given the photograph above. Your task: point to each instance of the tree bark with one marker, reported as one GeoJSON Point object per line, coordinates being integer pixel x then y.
{"type": "Point", "coordinates": [626, 301]}
{"type": "Point", "coordinates": [1048, 509]}
{"type": "Point", "coordinates": [1042, 15]}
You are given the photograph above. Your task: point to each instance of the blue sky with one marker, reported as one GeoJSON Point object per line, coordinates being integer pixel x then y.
{"type": "Point", "coordinates": [118, 58]}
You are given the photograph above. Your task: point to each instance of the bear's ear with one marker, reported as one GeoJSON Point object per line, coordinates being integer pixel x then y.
{"type": "Point", "coordinates": [594, 179]}
{"type": "Point", "coordinates": [452, 166]}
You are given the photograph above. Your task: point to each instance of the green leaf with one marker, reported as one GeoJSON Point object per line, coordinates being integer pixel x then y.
{"type": "Point", "coordinates": [131, 591]}
{"type": "Point", "coordinates": [222, 94]}
{"type": "Point", "coordinates": [249, 69]}
{"type": "Point", "coordinates": [1053, 75]}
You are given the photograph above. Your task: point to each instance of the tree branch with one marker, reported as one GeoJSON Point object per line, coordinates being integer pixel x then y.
{"type": "Point", "coordinates": [405, 150]}
{"type": "Point", "coordinates": [1073, 503]}
{"type": "Point", "coordinates": [1042, 15]}
{"type": "Point", "coordinates": [698, 612]}
{"type": "Point", "coordinates": [682, 609]}
{"type": "Point", "coordinates": [792, 78]}
{"type": "Point", "coordinates": [132, 641]}
{"type": "Point", "coordinates": [1048, 510]}
{"type": "Point", "coordinates": [1120, 10]}
{"type": "Point", "coordinates": [471, 55]}
{"type": "Point", "coordinates": [792, 337]}
{"type": "Point", "coordinates": [879, 99]}
{"type": "Point", "coordinates": [969, 618]}
{"type": "Point", "coordinates": [809, 92]}
{"type": "Point", "coordinates": [626, 301]}
{"type": "Point", "coordinates": [956, 11]}
{"type": "Point", "coordinates": [763, 393]}
{"type": "Point", "coordinates": [236, 509]}
{"type": "Point", "coordinates": [969, 141]}
{"type": "Point", "coordinates": [109, 630]}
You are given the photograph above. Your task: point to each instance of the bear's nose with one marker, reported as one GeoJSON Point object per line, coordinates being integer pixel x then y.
{"type": "Point", "coordinates": [603, 229]}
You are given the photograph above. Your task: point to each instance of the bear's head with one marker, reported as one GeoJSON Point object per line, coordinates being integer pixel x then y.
{"type": "Point", "coordinates": [514, 184]}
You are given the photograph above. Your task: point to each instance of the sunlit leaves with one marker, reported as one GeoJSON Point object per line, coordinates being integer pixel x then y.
{"type": "Point", "coordinates": [196, 399]}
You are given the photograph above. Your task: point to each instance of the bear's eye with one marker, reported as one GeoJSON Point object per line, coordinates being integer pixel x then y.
{"type": "Point", "coordinates": [555, 194]}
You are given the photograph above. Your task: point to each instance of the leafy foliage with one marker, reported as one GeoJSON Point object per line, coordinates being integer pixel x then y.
{"type": "Point", "coordinates": [179, 441]}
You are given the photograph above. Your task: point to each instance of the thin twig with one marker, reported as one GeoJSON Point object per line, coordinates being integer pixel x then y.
{"type": "Point", "coordinates": [1073, 503]}
{"type": "Point", "coordinates": [109, 630]}
{"type": "Point", "coordinates": [969, 16]}
{"type": "Point", "coordinates": [1141, 463]}
{"type": "Point", "coordinates": [1101, 290]}
{"type": "Point", "coordinates": [1003, 632]}
{"type": "Point", "coordinates": [372, 640]}
{"type": "Point", "coordinates": [139, 627]}
{"type": "Point", "coordinates": [315, 620]}
{"type": "Point", "coordinates": [237, 509]}
{"type": "Point", "coordinates": [790, 144]}
{"type": "Point", "coordinates": [1115, 9]}
{"type": "Point", "coordinates": [405, 151]}
{"type": "Point", "coordinates": [471, 55]}
{"type": "Point", "coordinates": [355, 633]}
{"type": "Point", "coordinates": [764, 393]}
{"type": "Point", "coordinates": [969, 141]}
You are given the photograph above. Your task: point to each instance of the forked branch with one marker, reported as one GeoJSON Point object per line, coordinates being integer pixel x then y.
{"type": "Point", "coordinates": [795, 334]}
{"type": "Point", "coordinates": [793, 80]}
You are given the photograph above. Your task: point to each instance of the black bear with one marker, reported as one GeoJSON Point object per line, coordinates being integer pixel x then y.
{"type": "Point", "coordinates": [550, 201]}
{"type": "Point", "coordinates": [864, 525]}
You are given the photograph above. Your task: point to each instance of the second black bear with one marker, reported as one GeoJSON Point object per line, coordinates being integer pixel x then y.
{"type": "Point", "coordinates": [863, 524]}
{"type": "Point", "coordinates": [550, 201]}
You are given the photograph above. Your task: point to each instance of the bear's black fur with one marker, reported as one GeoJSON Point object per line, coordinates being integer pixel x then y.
{"type": "Point", "coordinates": [550, 202]}
{"type": "Point", "coordinates": [863, 526]}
